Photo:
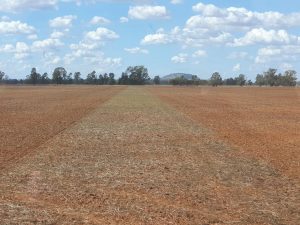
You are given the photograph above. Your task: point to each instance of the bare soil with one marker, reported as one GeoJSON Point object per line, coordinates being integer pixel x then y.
{"type": "Point", "coordinates": [136, 160]}
{"type": "Point", "coordinates": [32, 115]}
{"type": "Point", "coordinates": [260, 122]}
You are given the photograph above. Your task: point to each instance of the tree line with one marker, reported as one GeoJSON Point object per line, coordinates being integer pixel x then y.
{"type": "Point", "coordinates": [134, 75]}
{"type": "Point", "coordinates": [138, 75]}
{"type": "Point", "coordinates": [268, 78]}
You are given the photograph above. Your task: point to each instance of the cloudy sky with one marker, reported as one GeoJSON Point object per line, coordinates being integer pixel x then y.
{"type": "Point", "coordinates": [198, 37]}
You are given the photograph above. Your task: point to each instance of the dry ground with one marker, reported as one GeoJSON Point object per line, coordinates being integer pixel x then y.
{"type": "Point", "coordinates": [136, 160]}
{"type": "Point", "coordinates": [31, 115]}
{"type": "Point", "coordinates": [262, 122]}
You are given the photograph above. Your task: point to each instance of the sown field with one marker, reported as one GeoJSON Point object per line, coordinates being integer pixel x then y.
{"type": "Point", "coordinates": [139, 158]}
{"type": "Point", "coordinates": [32, 115]}
{"type": "Point", "coordinates": [261, 122]}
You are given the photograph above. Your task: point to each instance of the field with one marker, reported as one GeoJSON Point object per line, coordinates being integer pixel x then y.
{"type": "Point", "coordinates": [149, 155]}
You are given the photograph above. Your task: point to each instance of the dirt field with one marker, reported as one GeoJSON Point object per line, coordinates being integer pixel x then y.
{"type": "Point", "coordinates": [32, 115]}
{"type": "Point", "coordinates": [261, 122]}
{"type": "Point", "coordinates": [136, 160]}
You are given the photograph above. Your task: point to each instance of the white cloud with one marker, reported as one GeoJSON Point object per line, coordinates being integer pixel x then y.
{"type": "Point", "coordinates": [124, 19]}
{"type": "Point", "coordinates": [20, 50]}
{"type": "Point", "coordinates": [49, 43]}
{"type": "Point", "coordinates": [98, 20]}
{"type": "Point", "coordinates": [147, 12]}
{"type": "Point", "coordinates": [20, 5]}
{"type": "Point", "coordinates": [285, 53]}
{"type": "Point", "coordinates": [136, 50]}
{"type": "Point", "coordinates": [238, 55]}
{"type": "Point", "coordinates": [175, 2]}
{"type": "Point", "coordinates": [262, 36]}
{"type": "Point", "coordinates": [233, 19]}
{"type": "Point", "coordinates": [199, 53]}
{"type": "Point", "coordinates": [32, 37]}
{"type": "Point", "coordinates": [101, 34]}
{"type": "Point", "coordinates": [180, 58]}
{"type": "Point", "coordinates": [236, 68]}
{"type": "Point", "coordinates": [158, 38]}
{"type": "Point", "coordinates": [57, 35]}
{"type": "Point", "coordinates": [62, 22]}
{"type": "Point", "coordinates": [15, 27]}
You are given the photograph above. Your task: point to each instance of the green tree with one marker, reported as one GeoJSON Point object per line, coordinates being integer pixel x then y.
{"type": "Point", "coordinates": [59, 75]}
{"type": "Point", "coordinates": [260, 80]}
{"type": "Point", "coordinates": [92, 78]}
{"type": "Point", "coordinates": [77, 77]}
{"type": "Point", "coordinates": [271, 77]}
{"type": "Point", "coordinates": [289, 78]}
{"type": "Point", "coordinates": [2, 75]}
{"type": "Point", "coordinates": [111, 80]}
{"type": "Point", "coordinates": [216, 79]}
{"type": "Point", "coordinates": [138, 75]}
{"type": "Point", "coordinates": [124, 79]}
{"type": "Point", "coordinates": [45, 79]}
{"type": "Point", "coordinates": [156, 80]}
{"type": "Point", "coordinates": [34, 77]}
{"type": "Point", "coordinates": [241, 80]}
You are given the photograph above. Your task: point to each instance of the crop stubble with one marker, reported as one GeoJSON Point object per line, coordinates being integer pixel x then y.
{"type": "Point", "coordinates": [32, 115]}
{"type": "Point", "coordinates": [135, 160]}
{"type": "Point", "coordinates": [261, 122]}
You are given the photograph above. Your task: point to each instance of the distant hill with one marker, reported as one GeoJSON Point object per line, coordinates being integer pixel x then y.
{"type": "Point", "coordinates": [174, 75]}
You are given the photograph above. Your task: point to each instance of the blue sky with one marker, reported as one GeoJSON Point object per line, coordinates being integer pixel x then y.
{"type": "Point", "coordinates": [198, 37]}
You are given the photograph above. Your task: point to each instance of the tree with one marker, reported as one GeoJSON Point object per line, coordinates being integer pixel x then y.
{"type": "Point", "coordinates": [111, 80]}
{"type": "Point", "coordinates": [2, 75]}
{"type": "Point", "coordinates": [249, 83]}
{"type": "Point", "coordinates": [138, 75]}
{"type": "Point", "coordinates": [260, 80]}
{"type": "Point", "coordinates": [59, 75]}
{"type": "Point", "coordinates": [271, 77]}
{"type": "Point", "coordinates": [69, 78]}
{"type": "Point", "coordinates": [216, 79]}
{"type": "Point", "coordinates": [289, 78]}
{"type": "Point", "coordinates": [34, 77]}
{"type": "Point", "coordinates": [230, 81]}
{"type": "Point", "coordinates": [156, 80]}
{"type": "Point", "coordinates": [92, 78]}
{"type": "Point", "coordinates": [77, 77]}
{"type": "Point", "coordinates": [124, 79]}
{"type": "Point", "coordinates": [45, 79]}
{"type": "Point", "coordinates": [240, 80]}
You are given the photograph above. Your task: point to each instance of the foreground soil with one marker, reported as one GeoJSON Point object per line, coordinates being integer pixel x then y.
{"type": "Point", "coordinates": [135, 160]}
{"type": "Point", "coordinates": [32, 115]}
{"type": "Point", "coordinates": [261, 122]}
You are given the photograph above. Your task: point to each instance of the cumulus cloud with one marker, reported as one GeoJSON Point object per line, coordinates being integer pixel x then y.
{"type": "Point", "coordinates": [57, 34]}
{"type": "Point", "coordinates": [180, 58]}
{"type": "Point", "coordinates": [236, 68]}
{"type": "Point", "coordinates": [278, 54]}
{"type": "Point", "coordinates": [234, 18]}
{"type": "Point", "coordinates": [262, 36]}
{"type": "Point", "coordinates": [20, 50]}
{"type": "Point", "coordinates": [101, 34]}
{"type": "Point", "coordinates": [175, 2]}
{"type": "Point", "coordinates": [136, 50]}
{"type": "Point", "coordinates": [15, 27]}
{"type": "Point", "coordinates": [20, 5]}
{"type": "Point", "coordinates": [147, 12]}
{"type": "Point", "coordinates": [50, 43]}
{"type": "Point", "coordinates": [199, 53]}
{"type": "Point", "coordinates": [99, 20]}
{"type": "Point", "coordinates": [62, 22]}
{"type": "Point", "coordinates": [124, 19]}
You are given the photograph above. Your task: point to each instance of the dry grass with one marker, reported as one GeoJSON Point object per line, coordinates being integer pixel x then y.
{"type": "Point", "coordinates": [135, 160]}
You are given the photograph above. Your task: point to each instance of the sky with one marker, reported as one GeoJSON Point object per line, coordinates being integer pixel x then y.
{"type": "Point", "coordinates": [170, 36]}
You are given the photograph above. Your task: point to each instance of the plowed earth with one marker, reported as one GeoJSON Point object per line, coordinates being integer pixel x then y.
{"type": "Point", "coordinates": [261, 122]}
{"type": "Point", "coordinates": [136, 160]}
{"type": "Point", "coordinates": [32, 115]}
